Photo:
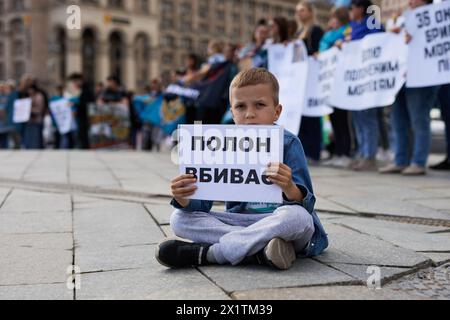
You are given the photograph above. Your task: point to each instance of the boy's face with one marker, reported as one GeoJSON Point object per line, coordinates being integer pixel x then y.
{"type": "Point", "coordinates": [254, 105]}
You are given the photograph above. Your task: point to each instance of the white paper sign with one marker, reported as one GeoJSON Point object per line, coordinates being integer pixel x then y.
{"type": "Point", "coordinates": [62, 113]}
{"type": "Point", "coordinates": [22, 110]}
{"type": "Point", "coordinates": [429, 49]}
{"type": "Point", "coordinates": [370, 72]}
{"type": "Point", "coordinates": [320, 82]}
{"type": "Point", "coordinates": [229, 161]}
{"type": "Point", "coordinates": [289, 64]}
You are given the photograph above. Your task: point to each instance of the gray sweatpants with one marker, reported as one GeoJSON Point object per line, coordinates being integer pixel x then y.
{"type": "Point", "coordinates": [235, 236]}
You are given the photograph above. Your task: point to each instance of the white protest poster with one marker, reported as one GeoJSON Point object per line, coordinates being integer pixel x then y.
{"type": "Point", "coordinates": [230, 161]}
{"type": "Point", "coordinates": [370, 72]}
{"type": "Point", "coordinates": [289, 64]}
{"type": "Point", "coordinates": [429, 49]}
{"type": "Point", "coordinates": [320, 83]}
{"type": "Point", "coordinates": [62, 113]}
{"type": "Point", "coordinates": [22, 110]}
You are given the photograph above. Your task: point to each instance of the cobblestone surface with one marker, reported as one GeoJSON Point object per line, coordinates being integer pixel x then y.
{"type": "Point", "coordinates": [431, 283]}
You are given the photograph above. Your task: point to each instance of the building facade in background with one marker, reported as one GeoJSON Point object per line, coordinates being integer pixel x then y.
{"type": "Point", "coordinates": [134, 39]}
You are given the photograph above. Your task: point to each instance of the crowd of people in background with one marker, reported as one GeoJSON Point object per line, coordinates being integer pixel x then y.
{"type": "Point", "coordinates": [358, 139]}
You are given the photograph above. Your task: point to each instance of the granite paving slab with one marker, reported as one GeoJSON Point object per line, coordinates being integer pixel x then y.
{"type": "Point", "coordinates": [305, 272]}
{"type": "Point", "coordinates": [348, 246]}
{"type": "Point", "coordinates": [152, 283]}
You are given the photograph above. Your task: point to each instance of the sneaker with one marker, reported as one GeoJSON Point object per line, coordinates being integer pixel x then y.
{"type": "Point", "coordinates": [392, 169]}
{"type": "Point", "coordinates": [343, 162]}
{"type": "Point", "coordinates": [414, 170]}
{"type": "Point", "coordinates": [443, 166]}
{"type": "Point", "coordinates": [354, 164]}
{"type": "Point", "coordinates": [180, 254]}
{"type": "Point", "coordinates": [330, 163]}
{"type": "Point", "coordinates": [366, 165]}
{"type": "Point", "coordinates": [278, 254]}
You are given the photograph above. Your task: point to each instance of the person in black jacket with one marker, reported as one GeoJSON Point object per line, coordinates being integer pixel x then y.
{"type": "Point", "coordinates": [311, 34]}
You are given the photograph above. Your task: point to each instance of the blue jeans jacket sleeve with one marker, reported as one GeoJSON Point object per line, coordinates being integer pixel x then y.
{"type": "Point", "coordinates": [295, 158]}
{"type": "Point", "coordinates": [194, 206]}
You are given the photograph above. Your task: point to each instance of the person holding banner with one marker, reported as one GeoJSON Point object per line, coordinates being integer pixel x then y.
{"type": "Point", "coordinates": [86, 96]}
{"type": "Point", "coordinates": [340, 119]}
{"type": "Point", "coordinates": [311, 34]}
{"type": "Point", "coordinates": [365, 122]}
{"type": "Point", "coordinates": [5, 114]}
{"type": "Point", "coordinates": [411, 113]}
{"type": "Point", "coordinates": [266, 234]}
{"type": "Point", "coordinates": [32, 133]}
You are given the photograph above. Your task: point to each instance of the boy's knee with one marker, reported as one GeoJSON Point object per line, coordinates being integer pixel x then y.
{"type": "Point", "coordinates": [182, 221]}
{"type": "Point", "coordinates": [178, 221]}
{"type": "Point", "coordinates": [296, 217]}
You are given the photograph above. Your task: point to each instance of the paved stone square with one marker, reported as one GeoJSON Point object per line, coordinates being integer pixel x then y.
{"type": "Point", "coordinates": [105, 212]}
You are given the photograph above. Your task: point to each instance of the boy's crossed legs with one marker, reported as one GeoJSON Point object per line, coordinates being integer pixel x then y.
{"type": "Point", "coordinates": [228, 238]}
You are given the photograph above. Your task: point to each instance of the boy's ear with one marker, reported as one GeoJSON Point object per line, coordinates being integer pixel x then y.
{"type": "Point", "coordinates": [278, 111]}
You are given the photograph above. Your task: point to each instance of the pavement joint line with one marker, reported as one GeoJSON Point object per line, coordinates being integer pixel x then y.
{"type": "Point", "coordinates": [38, 212]}
{"type": "Point", "coordinates": [154, 219]}
{"type": "Point", "coordinates": [30, 165]}
{"type": "Point", "coordinates": [362, 264]}
{"type": "Point", "coordinates": [36, 233]}
{"type": "Point", "coordinates": [350, 228]}
{"type": "Point", "coordinates": [139, 245]}
{"type": "Point", "coordinates": [111, 171]}
{"type": "Point", "coordinates": [385, 281]}
{"type": "Point", "coordinates": [74, 246]}
{"type": "Point", "coordinates": [349, 283]}
{"type": "Point", "coordinates": [112, 270]}
{"type": "Point", "coordinates": [6, 197]}
{"type": "Point", "coordinates": [84, 190]}
{"type": "Point", "coordinates": [439, 231]}
{"type": "Point", "coordinates": [30, 284]}
{"type": "Point", "coordinates": [229, 294]}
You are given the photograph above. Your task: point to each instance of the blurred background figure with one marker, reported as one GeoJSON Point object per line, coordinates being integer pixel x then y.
{"type": "Point", "coordinates": [86, 97]}
{"type": "Point", "coordinates": [278, 30]}
{"type": "Point", "coordinates": [254, 54]}
{"type": "Point", "coordinates": [339, 27]}
{"type": "Point", "coordinates": [311, 127]}
{"type": "Point", "coordinates": [33, 129]}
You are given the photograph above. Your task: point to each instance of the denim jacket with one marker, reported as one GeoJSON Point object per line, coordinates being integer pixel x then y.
{"type": "Point", "coordinates": [294, 157]}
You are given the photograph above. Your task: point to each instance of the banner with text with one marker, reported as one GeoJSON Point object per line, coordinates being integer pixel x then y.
{"type": "Point", "coordinates": [230, 161]}
{"type": "Point", "coordinates": [370, 73]}
{"type": "Point", "coordinates": [22, 110]}
{"type": "Point", "coordinates": [289, 64]}
{"type": "Point", "coordinates": [429, 58]}
{"type": "Point", "coordinates": [62, 113]}
{"type": "Point", "coordinates": [110, 125]}
{"type": "Point", "coordinates": [320, 83]}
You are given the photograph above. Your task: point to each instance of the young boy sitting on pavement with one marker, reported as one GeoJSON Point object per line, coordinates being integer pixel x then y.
{"type": "Point", "coordinates": [249, 233]}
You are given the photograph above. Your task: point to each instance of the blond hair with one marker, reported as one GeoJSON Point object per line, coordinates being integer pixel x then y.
{"type": "Point", "coordinates": [306, 27]}
{"type": "Point", "coordinates": [256, 76]}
